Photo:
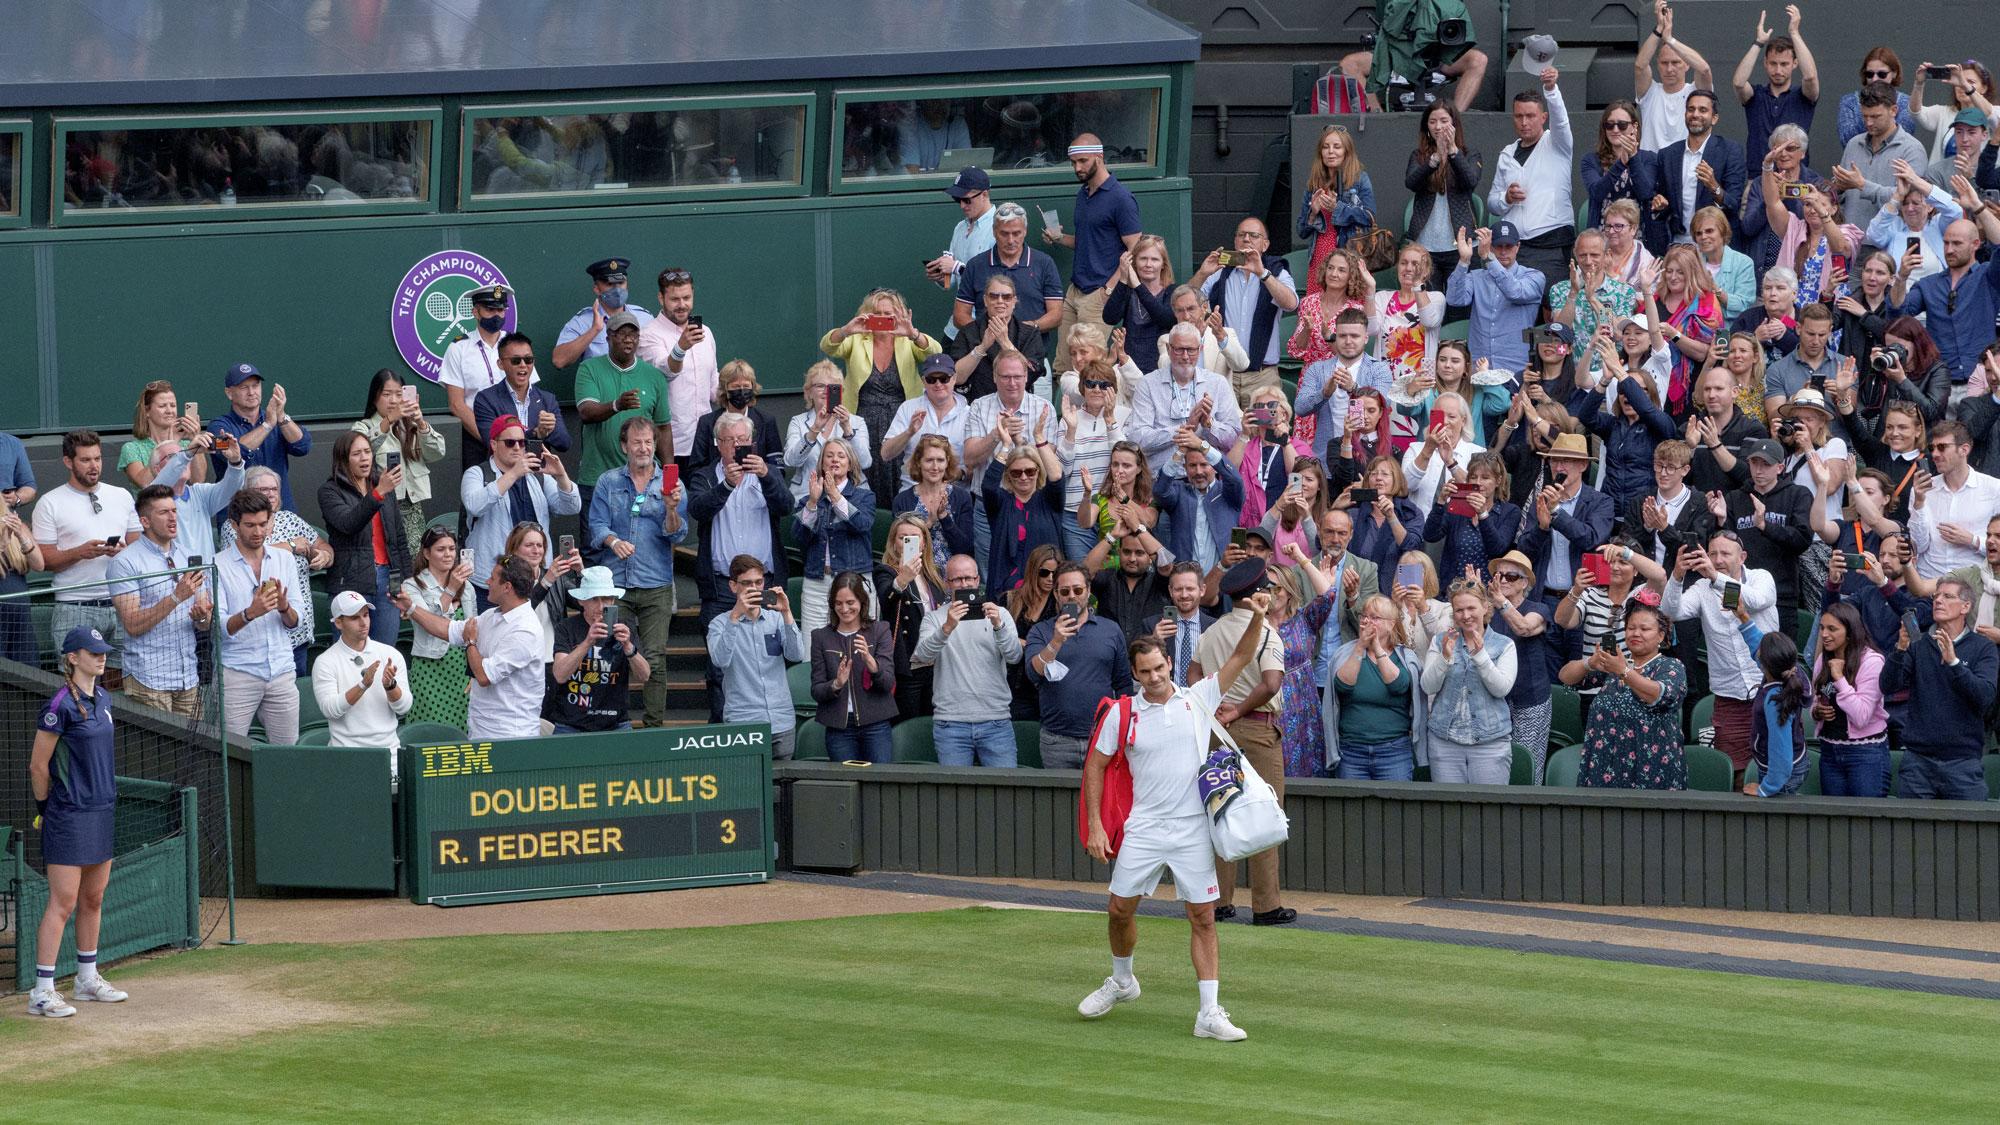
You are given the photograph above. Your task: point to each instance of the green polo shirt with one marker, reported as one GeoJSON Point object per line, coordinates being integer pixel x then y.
{"type": "Point", "coordinates": [599, 380]}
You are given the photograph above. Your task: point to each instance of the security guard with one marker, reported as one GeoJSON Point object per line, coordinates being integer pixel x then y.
{"type": "Point", "coordinates": [583, 337]}
{"type": "Point", "coordinates": [472, 363]}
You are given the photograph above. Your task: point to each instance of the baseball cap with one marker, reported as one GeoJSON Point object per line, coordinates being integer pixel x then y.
{"type": "Point", "coordinates": [83, 638]}
{"type": "Point", "coordinates": [1972, 117]}
{"type": "Point", "coordinates": [939, 365]}
{"type": "Point", "coordinates": [347, 603]}
{"type": "Point", "coordinates": [238, 373]}
{"type": "Point", "coordinates": [619, 319]}
{"type": "Point", "coordinates": [1637, 318]}
{"type": "Point", "coordinates": [1506, 234]}
{"type": "Point", "coordinates": [501, 424]}
{"type": "Point", "coordinates": [971, 180]}
{"type": "Point", "coordinates": [1762, 448]}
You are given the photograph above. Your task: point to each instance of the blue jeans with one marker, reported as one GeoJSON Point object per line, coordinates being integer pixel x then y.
{"type": "Point", "coordinates": [1854, 771]}
{"type": "Point", "coordinates": [1924, 778]}
{"type": "Point", "coordinates": [385, 621]}
{"type": "Point", "coordinates": [868, 743]}
{"type": "Point", "coordinates": [991, 743]}
{"type": "Point", "coordinates": [1076, 541]}
{"type": "Point", "coordinates": [1394, 760]}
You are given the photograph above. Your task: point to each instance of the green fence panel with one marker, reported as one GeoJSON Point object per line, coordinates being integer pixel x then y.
{"type": "Point", "coordinates": [324, 817]}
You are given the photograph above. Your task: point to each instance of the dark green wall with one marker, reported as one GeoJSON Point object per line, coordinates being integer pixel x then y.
{"type": "Point", "coordinates": [88, 314]}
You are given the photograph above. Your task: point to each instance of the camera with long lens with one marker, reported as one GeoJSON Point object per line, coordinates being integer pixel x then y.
{"type": "Point", "coordinates": [1888, 356]}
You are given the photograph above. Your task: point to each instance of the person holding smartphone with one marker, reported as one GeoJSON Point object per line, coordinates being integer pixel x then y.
{"type": "Point", "coordinates": [854, 674]}
{"type": "Point", "coordinates": [736, 502]}
{"type": "Point", "coordinates": [610, 389]}
{"type": "Point", "coordinates": [513, 487]}
{"type": "Point", "coordinates": [394, 422]}
{"type": "Point", "coordinates": [1072, 659]}
{"type": "Point", "coordinates": [1723, 584]}
{"type": "Point", "coordinates": [80, 525]}
{"type": "Point", "coordinates": [749, 647]}
{"type": "Point", "coordinates": [637, 515]}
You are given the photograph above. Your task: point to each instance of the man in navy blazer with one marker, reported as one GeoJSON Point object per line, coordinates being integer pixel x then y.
{"type": "Point", "coordinates": [1210, 486]}
{"type": "Point", "coordinates": [1720, 185]}
{"type": "Point", "coordinates": [1181, 633]}
{"type": "Point", "coordinates": [517, 394]}
{"type": "Point", "coordinates": [1577, 513]}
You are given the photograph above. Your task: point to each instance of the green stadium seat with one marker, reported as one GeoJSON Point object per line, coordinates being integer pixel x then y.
{"type": "Point", "coordinates": [883, 518]}
{"type": "Point", "coordinates": [1028, 743]}
{"type": "Point", "coordinates": [1582, 215]}
{"type": "Point", "coordinates": [1296, 264]}
{"type": "Point", "coordinates": [446, 520]}
{"type": "Point", "coordinates": [43, 613]}
{"type": "Point", "coordinates": [800, 677]}
{"type": "Point", "coordinates": [913, 740]}
{"type": "Point", "coordinates": [795, 591]}
{"type": "Point", "coordinates": [1522, 772]}
{"type": "Point", "coordinates": [322, 618]}
{"type": "Point", "coordinates": [1802, 629]}
{"type": "Point", "coordinates": [317, 735]}
{"type": "Point", "coordinates": [810, 742]}
{"type": "Point", "coordinates": [1992, 764]}
{"type": "Point", "coordinates": [1456, 330]}
{"type": "Point", "coordinates": [1896, 773]}
{"type": "Point", "coordinates": [1701, 718]}
{"type": "Point", "coordinates": [420, 733]}
{"type": "Point", "coordinates": [1421, 774]}
{"type": "Point", "coordinates": [1709, 770]}
{"type": "Point", "coordinates": [1565, 716]}
{"type": "Point", "coordinates": [309, 713]}
{"type": "Point", "coordinates": [1563, 766]}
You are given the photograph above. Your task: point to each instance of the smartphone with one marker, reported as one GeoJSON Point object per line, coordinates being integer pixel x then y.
{"type": "Point", "coordinates": [1364, 495]}
{"type": "Point", "coordinates": [410, 395]}
{"type": "Point", "coordinates": [113, 540]}
{"type": "Point", "coordinates": [565, 544]}
{"type": "Point", "coordinates": [1910, 625]}
{"type": "Point", "coordinates": [1437, 418]}
{"type": "Point", "coordinates": [192, 408]}
{"type": "Point", "coordinates": [610, 616]}
{"type": "Point", "coordinates": [694, 322]}
{"type": "Point", "coordinates": [1605, 643]}
{"type": "Point", "coordinates": [1409, 574]}
{"type": "Point", "coordinates": [1937, 72]}
{"type": "Point", "coordinates": [832, 397]}
{"type": "Point", "coordinates": [395, 581]}
{"type": "Point", "coordinates": [912, 549]}
{"type": "Point", "coordinates": [1460, 507]}
{"type": "Point", "coordinates": [1793, 191]}
{"type": "Point", "coordinates": [1225, 258]}
{"type": "Point", "coordinates": [1072, 611]}
{"type": "Point", "coordinates": [973, 602]}
{"type": "Point", "coordinates": [1239, 537]}
{"type": "Point", "coordinates": [1732, 595]}
{"type": "Point", "coordinates": [1259, 415]}
{"type": "Point", "coordinates": [670, 479]}
{"type": "Point", "coordinates": [194, 562]}
{"type": "Point", "coordinates": [1928, 465]}
{"type": "Point", "coordinates": [771, 599]}
{"type": "Point", "coordinates": [1854, 561]}
{"type": "Point", "coordinates": [1598, 567]}
{"type": "Point", "coordinates": [1817, 383]}
{"type": "Point", "coordinates": [880, 322]}
{"type": "Point", "coordinates": [743, 453]}
{"type": "Point", "coordinates": [392, 459]}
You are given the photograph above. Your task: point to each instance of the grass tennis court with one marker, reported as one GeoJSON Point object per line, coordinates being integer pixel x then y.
{"type": "Point", "coordinates": [969, 1015]}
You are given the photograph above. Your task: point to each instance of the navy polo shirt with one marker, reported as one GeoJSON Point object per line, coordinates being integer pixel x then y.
{"type": "Point", "coordinates": [1103, 218]}
{"type": "Point", "coordinates": [1035, 276]}
{"type": "Point", "coordinates": [85, 779]}
{"type": "Point", "coordinates": [275, 454]}
{"type": "Point", "coordinates": [1765, 112]}
{"type": "Point", "coordinates": [1097, 667]}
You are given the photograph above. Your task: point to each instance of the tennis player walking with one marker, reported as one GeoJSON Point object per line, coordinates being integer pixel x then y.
{"type": "Point", "coordinates": [74, 806]}
{"type": "Point", "coordinates": [1168, 826]}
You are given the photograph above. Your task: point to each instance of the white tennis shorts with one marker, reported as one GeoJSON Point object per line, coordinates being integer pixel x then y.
{"type": "Point", "coordinates": [1151, 846]}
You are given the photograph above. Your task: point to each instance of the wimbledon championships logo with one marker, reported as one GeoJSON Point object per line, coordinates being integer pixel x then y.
{"type": "Point", "coordinates": [433, 306]}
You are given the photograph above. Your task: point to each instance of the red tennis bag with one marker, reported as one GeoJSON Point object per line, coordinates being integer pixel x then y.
{"type": "Point", "coordinates": [1116, 802]}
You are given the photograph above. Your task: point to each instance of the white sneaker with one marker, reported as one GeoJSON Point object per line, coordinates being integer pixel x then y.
{"type": "Point", "coordinates": [1108, 995]}
{"type": "Point", "coordinates": [49, 1004]}
{"type": "Point", "coordinates": [98, 989]}
{"type": "Point", "coordinates": [1213, 1023]}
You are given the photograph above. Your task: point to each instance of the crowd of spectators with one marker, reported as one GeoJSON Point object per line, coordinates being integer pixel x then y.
{"type": "Point", "coordinates": [1748, 411]}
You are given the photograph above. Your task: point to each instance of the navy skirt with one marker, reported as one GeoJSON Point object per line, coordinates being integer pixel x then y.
{"type": "Point", "coordinates": [76, 837]}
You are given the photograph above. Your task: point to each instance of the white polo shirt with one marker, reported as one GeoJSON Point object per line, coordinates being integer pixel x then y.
{"type": "Point", "coordinates": [951, 426]}
{"type": "Point", "coordinates": [1169, 744]}
{"type": "Point", "coordinates": [64, 519]}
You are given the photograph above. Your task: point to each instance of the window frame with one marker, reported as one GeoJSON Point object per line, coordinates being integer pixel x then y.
{"type": "Point", "coordinates": [63, 126]}
{"type": "Point", "coordinates": [1161, 83]}
{"type": "Point", "coordinates": [25, 153]}
{"type": "Point", "coordinates": [469, 113]}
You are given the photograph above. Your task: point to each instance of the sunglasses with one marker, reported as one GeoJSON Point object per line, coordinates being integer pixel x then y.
{"type": "Point", "coordinates": [1950, 301]}
{"type": "Point", "coordinates": [1882, 75]}
{"type": "Point", "coordinates": [96, 505]}
{"type": "Point", "coordinates": [676, 277]}
{"type": "Point", "coordinates": [513, 442]}
{"type": "Point", "coordinates": [1047, 572]}
{"type": "Point", "coordinates": [517, 360]}
{"type": "Point", "coordinates": [1501, 576]}
{"type": "Point", "coordinates": [1096, 385]}
{"type": "Point", "coordinates": [1617, 126]}
{"type": "Point", "coordinates": [1023, 472]}
{"type": "Point", "coordinates": [935, 379]}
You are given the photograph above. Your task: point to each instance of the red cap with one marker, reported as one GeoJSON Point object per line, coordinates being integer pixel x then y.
{"type": "Point", "coordinates": [501, 424]}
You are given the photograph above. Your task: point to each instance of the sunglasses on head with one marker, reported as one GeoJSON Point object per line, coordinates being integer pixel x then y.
{"type": "Point", "coordinates": [676, 277]}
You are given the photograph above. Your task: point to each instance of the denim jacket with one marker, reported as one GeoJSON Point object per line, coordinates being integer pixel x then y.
{"type": "Point", "coordinates": [1465, 709]}
{"type": "Point", "coordinates": [832, 542]}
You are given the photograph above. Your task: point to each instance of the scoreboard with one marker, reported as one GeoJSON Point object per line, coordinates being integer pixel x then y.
{"type": "Point", "coordinates": [642, 810]}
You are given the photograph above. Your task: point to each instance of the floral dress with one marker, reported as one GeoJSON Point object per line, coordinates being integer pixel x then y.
{"type": "Point", "coordinates": [1403, 346]}
{"type": "Point", "coordinates": [1632, 745]}
{"type": "Point", "coordinates": [1304, 732]}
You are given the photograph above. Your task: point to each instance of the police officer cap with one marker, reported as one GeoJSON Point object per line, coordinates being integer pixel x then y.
{"type": "Point", "coordinates": [610, 269]}
{"type": "Point", "coordinates": [1246, 577]}
{"type": "Point", "coordinates": [491, 296]}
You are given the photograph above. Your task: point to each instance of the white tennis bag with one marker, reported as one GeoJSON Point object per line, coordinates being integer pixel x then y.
{"type": "Point", "coordinates": [1244, 814]}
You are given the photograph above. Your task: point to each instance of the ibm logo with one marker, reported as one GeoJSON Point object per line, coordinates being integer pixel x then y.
{"type": "Point", "coordinates": [456, 761]}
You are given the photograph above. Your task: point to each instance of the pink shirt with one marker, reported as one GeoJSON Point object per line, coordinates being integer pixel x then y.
{"type": "Point", "coordinates": [691, 393]}
{"type": "Point", "coordinates": [1860, 701]}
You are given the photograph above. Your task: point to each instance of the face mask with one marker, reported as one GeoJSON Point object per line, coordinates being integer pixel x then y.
{"type": "Point", "coordinates": [612, 298]}
{"type": "Point", "coordinates": [492, 323]}
{"type": "Point", "coordinates": [740, 398]}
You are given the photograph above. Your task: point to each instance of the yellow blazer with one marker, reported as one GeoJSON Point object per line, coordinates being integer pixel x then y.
{"type": "Point", "coordinates": [857, 353]}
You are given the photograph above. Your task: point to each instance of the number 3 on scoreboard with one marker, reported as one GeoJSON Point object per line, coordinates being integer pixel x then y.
{"type": "Point", "coordinates": [728, 831]}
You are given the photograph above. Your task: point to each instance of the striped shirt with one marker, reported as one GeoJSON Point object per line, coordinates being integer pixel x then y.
{"type": "Point", "coordinates": [161, 658]}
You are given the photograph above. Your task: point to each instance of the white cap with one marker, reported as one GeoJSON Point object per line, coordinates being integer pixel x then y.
{"type": "Point", "coordinates": [347, 603]}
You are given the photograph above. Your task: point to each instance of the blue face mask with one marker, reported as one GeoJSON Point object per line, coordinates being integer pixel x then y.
{"type": "Point", "coordinates": [612, 298]}
{"type": "Point", "coordinates": [493, 323]}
